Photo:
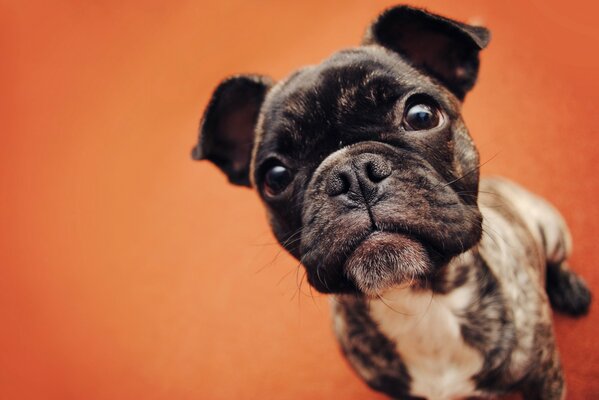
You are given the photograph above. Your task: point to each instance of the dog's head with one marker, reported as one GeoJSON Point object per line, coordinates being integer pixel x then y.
{"type": "Point", "coordinates": [366, 168]}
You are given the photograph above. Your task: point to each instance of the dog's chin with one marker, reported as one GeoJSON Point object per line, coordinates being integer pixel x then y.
{"type": "Point", "coordinates": [384, 260]}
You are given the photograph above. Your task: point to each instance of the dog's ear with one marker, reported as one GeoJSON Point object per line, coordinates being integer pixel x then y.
{"type": "Point", "coordinates": [227, 127]}
{"type": "Point", "coordinates": [441, 47]}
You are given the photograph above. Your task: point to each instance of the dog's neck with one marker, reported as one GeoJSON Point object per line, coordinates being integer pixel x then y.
{"type": "Point", "coordinates": [424, 325]}
{"type": "Point", "coordinates": [451, 276]}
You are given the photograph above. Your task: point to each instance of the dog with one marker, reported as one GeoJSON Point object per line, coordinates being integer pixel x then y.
{"type": "Point", "coordinates": [441, 282]}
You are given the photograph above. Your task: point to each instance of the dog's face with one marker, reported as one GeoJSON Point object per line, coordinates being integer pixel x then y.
{"type": "Point", "coordinates": [365, 166]}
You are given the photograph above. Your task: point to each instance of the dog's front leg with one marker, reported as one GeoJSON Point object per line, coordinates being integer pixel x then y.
{"type": "Point", "coordinates": [547, 383]}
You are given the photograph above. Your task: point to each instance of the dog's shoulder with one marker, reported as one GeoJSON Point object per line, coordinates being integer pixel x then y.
{"type": "Point", "coordinates": [518, 207]}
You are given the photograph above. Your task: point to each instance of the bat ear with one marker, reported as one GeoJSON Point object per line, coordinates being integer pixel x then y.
{"type": "Point", "coordinates": [227, 128]}
{"type": "Point", "coordinates": [443, 48]}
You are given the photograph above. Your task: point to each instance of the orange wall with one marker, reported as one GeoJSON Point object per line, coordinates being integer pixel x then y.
{"type": "Point", "coordinates": [130, 272]}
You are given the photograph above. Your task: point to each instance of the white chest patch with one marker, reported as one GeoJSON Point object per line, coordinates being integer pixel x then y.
{"type": "Point", "coordinates": [426, 332]}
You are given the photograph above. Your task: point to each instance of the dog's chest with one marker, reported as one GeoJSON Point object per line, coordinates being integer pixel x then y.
{"type": "Point", "coordinates": [426, 333]}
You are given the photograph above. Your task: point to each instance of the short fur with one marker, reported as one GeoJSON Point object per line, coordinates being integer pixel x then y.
{"type": "Point", "coordinates": [440, 290]}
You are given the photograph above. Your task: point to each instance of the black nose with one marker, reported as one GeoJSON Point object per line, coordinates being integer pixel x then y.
{"type": "Point", "coordinates": [358, 177]}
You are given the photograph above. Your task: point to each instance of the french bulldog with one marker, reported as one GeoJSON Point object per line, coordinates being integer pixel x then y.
{"type": "Point", "coordinates": [441, 282]}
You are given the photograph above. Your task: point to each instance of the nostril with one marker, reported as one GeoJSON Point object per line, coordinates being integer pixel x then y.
{"type": "Point", "coordinates": [377, 170]}
{"type": "Point", "coordinates": [338, 183]}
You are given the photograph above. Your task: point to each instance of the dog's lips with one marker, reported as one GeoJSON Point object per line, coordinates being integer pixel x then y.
{"type": "Point", "coordinates": [386, 236]}
{"type": "Point", "coordinates": [378, 241]}
{"type": "Point", "coordinates": [369, 243]}
{"type": "Point", "coordinates": [384, 259]}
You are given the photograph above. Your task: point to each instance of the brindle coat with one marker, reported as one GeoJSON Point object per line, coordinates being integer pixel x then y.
{"type": "Point", "coordinates": [441, 285]}
{"type": "Point", "coordinates": [508, 321]}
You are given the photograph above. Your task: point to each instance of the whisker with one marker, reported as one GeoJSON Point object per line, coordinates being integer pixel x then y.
{"type": "Point", "coordinates": [470, 171]}
{"type": "Point", "coordinates": [391, 308]}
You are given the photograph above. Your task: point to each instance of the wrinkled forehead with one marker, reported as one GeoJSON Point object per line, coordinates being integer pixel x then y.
{"type": "Point", "coordinates": [349, 94]}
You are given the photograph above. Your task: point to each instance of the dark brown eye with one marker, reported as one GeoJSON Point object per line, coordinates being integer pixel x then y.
{"type": "Point", "coordinates": [421, 116]}
{"type": "Point", "coordinates": [276, 179]}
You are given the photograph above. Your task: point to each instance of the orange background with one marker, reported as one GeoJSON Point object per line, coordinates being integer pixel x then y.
{"type": "Point", "coordinates": [130, 272]}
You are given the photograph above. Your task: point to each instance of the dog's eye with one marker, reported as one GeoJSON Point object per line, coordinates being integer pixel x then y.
{"type": "Point", "coordinates": [276, 179]}
{"type": "Point", "coordinates": [421, 116]}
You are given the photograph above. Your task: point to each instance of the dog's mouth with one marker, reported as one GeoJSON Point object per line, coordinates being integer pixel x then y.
{"type": "Point", "coordinates": [358, 257]}
{"type": "Point", "coordinates": [374, 262]}
{"type": "Point", "coordinates": [385, 259]}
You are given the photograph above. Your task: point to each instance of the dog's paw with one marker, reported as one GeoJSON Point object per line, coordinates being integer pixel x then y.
{"type": "Point", "coordinates": [568, 292]}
